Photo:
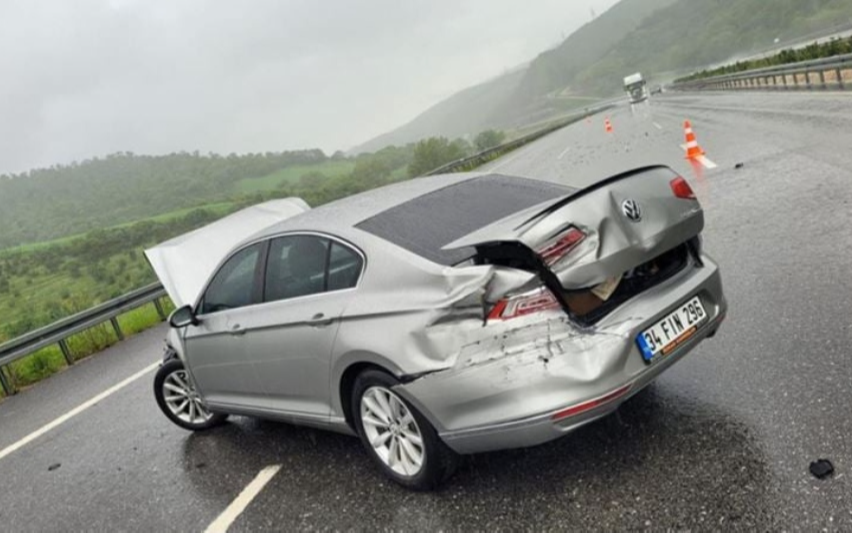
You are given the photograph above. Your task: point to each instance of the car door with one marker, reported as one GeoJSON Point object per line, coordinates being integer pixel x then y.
{"type": "Point", "coordinates": [309, 279]}
{"type": "Point", "coordinates": [216, 349]}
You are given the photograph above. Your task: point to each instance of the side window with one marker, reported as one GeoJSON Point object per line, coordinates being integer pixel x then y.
{"type": "Point", "coordinates": [344, 267]}
{"type": "Point", "coordinates": [296, 267]}
{"type": "Point", "coordinates": [233, 284]}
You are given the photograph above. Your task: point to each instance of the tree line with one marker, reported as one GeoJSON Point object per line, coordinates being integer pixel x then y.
{"type": "Point", "coordinates": [834, 47]}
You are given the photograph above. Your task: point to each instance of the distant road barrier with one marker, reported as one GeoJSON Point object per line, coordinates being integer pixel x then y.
{"type": "Point", "coordinates": [59, 331]}
{"type": "Point", "coordinates": [828, 74]}
{"type": "Point", "coordinates": [471, 162]}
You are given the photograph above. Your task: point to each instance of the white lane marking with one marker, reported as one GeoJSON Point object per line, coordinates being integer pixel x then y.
{"type": "Point", "coordinates": [701, 159]}
{"type": "Point", "coordinates": [233, 511]}
{"type": "Point", "coordinates": [565, 151]}
{"type": "Point", "coordinates": [657, 126]}
{"type": "Point", "coordinates": [74, 412]}
{"type": "Point", "coordinates": [706, 162]}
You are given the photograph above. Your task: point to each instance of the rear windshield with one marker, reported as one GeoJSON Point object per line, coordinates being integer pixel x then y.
{"type": "Point", "coordinates": [427, 223]}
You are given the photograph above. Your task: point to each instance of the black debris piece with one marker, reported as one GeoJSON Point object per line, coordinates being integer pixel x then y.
{"type": "Point", "coordinates": [739, 166]}
{"type": "Point", "coordinates": [53, 467]}
{"type": "Point", "coordinates": [822, 468]}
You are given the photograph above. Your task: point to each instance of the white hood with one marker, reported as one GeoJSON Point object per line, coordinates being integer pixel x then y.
{"type": "Point", "coordinates": [185, 263]}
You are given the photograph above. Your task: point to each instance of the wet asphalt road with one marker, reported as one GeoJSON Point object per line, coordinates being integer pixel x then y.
{"type": "Point", "coordinates": [722, 440]}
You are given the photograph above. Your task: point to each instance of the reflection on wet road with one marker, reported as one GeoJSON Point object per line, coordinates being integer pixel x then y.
{"type": "Point", "coordinates": [724, 439]}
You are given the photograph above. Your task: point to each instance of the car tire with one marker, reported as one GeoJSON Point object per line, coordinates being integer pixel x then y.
{"type": "Point", "coordinates": [179, 401]}
{"type": "Point", "coordinates": [397, 436]}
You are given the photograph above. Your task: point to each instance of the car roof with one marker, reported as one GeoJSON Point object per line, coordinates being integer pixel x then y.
{"type": "Point", "coordinates": [349, 211]}
{"type": "Point", "coordinates": [423, 214]}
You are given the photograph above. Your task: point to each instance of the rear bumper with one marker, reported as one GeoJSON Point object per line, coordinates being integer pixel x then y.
{"type": "Point", "coordinates": [546, 379]}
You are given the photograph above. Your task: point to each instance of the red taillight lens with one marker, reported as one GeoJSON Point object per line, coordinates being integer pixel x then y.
{"type": "Point", "coordinates": [587, 406]}
{"type": "Point", "coordinates": [681, 189]}
{"type": "Point", "coordinates": [524, 304]}
{"type": "Point", "coordinates": [561, 246]}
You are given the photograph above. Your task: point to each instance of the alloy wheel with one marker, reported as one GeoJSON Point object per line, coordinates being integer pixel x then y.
{"type": "Point", "coordinates": [182, 399]}
{"type": "Point", "coordinates": [392, 431]}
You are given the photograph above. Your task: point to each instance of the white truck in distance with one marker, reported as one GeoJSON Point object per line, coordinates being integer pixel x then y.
{"type": "Point", "coordinates": [636, 88]}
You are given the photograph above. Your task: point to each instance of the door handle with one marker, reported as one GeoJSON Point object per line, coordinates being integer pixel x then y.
{"type": "Point", "coordinates": [320, 320]}
{"type": "Point", "coordinates": [237, 329]}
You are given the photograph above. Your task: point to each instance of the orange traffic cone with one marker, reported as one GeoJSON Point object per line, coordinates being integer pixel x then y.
{"type": "Point", "coordinates": [608, 125]}
{"type": "Point", "coordinates": [693, 150]}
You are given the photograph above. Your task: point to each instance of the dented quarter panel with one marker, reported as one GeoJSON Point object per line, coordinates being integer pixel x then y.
{"type": "Point", "coordinates": [422, 329]}
{"type": "Point", "coordinates": [536, 366]}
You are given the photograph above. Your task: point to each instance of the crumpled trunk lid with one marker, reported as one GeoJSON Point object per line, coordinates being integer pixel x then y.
{"type": "Point", "coordinates": [628, 221]}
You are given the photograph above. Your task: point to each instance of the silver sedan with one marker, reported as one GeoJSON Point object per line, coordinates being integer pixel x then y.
{"type": "Point", "coordinates": [439, 316]}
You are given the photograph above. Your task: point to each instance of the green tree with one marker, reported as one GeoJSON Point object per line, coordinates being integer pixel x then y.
{"type": "Point", "coordinates": [488, 139]}
{"type": "Point", "coordinates": [434, 152]}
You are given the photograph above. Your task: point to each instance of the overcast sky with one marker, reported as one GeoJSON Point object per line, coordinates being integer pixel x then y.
{"type": "Point", "coordinates": [85, 78]}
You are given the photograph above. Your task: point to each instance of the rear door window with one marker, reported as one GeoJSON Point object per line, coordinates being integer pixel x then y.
{"type": "Point", "coordinates": [302, 265]}
{"type": "Point", "coordinates": [296, 267]}
{"type": "Point", "coordinates": [344, 267]}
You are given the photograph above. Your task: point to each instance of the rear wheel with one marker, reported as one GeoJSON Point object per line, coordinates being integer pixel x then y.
{"type": "Point", "coordinates": [179, 400]}
{"type": "Point", "coordinates": [398, 438]}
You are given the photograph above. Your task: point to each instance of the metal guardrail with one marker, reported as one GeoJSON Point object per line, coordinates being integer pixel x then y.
{"type": "Point", "coordinates": [486, 156]}
{"type": "Point", "coordinates": [827, 74]}
{"type": "Point", "coordinates": [59, 331]}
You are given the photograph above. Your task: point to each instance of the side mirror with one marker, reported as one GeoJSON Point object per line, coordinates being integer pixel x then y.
{"type": "Point", "coordinates": [183, 317]}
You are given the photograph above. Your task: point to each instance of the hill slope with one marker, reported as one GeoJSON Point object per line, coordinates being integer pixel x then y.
{"type": "Point", "coordinates": [48, 203]}
{"type": "Point", "coordinates": [465, 113]}
{"type": "Point", "coordinates": [651, 36]}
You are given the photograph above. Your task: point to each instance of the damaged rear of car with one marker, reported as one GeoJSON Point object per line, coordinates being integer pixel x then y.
{"type": "Point", "coordinates": [445, 315]}
{"type": "Point", "coordinates": [621, 290]}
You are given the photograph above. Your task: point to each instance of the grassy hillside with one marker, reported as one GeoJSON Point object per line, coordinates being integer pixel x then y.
{"type": "Point", "coordinates": [291, 175]}
{"type": "Point", "coordinates": [651, 36]}
{"type": "Point", "coordinates": [556, 70]}
{"type": "Point", "coordinates": [43, 281]}
{"type": "Point", "coordinates": [49, 203]}
{"type": "Point", "coordinates": [693, 33]}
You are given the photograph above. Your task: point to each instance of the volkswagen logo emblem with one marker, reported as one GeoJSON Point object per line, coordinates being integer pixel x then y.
{"type": "Point", "coordinates": [631, 210]}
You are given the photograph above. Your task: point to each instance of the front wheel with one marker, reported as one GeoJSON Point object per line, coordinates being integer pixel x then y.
{"type": "Point", "coordinates": [397, 437]}
{"type": "Point", "coordinates": [179, 400]}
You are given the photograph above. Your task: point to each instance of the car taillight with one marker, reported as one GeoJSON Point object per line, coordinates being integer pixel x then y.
{"type": "Point", "coordinates": [561, 246]}
{"type": "Point", "coordinates": [523, 304]}
{"type": "Point", "coordinates": [681, 189]}
{"type": "Point", "coordinates": [592, 404]}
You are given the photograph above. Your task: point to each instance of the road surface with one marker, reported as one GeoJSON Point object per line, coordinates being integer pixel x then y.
{"type": "Point", "coordinates": [723, 440]}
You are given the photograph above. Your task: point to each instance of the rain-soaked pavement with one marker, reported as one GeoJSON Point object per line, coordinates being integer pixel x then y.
{"type": "Point", "coordinates": [722, 440]}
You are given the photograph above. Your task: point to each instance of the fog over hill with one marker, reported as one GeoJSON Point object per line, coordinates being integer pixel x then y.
{"type": "Point", "coordinates": [657, 37]}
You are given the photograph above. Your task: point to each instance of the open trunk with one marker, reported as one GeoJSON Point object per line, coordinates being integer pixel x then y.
{"type": "Point", "coordinates": [599, 246]}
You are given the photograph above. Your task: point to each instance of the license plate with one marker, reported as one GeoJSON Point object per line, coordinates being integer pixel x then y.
{"type": "Point", "coordinates": [663, 337]}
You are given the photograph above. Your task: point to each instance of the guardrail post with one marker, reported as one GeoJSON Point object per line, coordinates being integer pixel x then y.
{"type": "Point", "coordinates": [8, 388]}
{"type": "Point", "coordinates": [808, 79]}
{"type": "Point", "coordinates": [822, 80]}
{"type": "Point", "coordinates": [159, 306]}
{"type": "Point", "coordinates": [840, 78]}
{"type": "Point", "coordinates": [117, 328]}
{"type": "Point", "coordinates": [66, 352]}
